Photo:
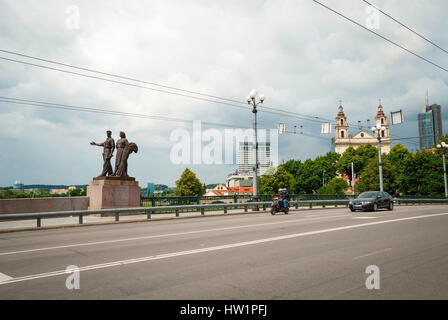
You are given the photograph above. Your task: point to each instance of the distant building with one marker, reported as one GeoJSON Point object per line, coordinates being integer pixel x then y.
{"type": "Point", "coordinates": [430, 126]}
{"type": "Point", "coordinates": [58, 191]}
{"type": "Point", "coordinates": [150, 188]}
{"type": "Point", "coordinates": [17, 185]}
{"type": "Point", "coordinates": [245, 157]}
{"type": "Point", "coordinates": [239, 177]}
{"type": "Point", "coordinates": [223, 190]}
{"type": "Point", "coordinates": [342, 140]}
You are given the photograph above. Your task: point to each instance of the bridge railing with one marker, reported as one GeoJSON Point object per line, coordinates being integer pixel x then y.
{"type": "Point", "coordinates": [202, 208]}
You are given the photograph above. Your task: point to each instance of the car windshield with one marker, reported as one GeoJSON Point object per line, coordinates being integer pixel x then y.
{"type": "Point", "coordinates": [370, 194]}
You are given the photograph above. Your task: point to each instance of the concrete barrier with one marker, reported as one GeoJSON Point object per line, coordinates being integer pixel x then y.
{"type": "Point", "coordinates": [31, 205]}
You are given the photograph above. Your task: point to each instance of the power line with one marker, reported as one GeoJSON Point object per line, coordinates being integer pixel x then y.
{"type": "Point", "coordinates": [105, 111]}
{"type": "Point", "coordinates": [61, 106]}
{"type": "Point", "coordinates": [308, 135]}
{"type": "Point", "coordinates": [405, 26]}
{"type": "Point", "coordinates": [117, 76]}
{"type": "Point", "coordinates": [272, 110]}
{"type": "Point", "coordinates": [295, 114]}
{"type": "Point", "coordinates": [379, 35]}
{"type": "Point", "coordinates": [121, 82]}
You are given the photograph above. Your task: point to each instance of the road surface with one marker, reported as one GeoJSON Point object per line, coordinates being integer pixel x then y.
{"type": "Point", "coordinates": [310, 254]}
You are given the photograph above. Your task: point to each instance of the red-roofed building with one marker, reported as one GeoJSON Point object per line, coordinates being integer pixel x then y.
{"type": "Point", "coordinates": [223, 190]}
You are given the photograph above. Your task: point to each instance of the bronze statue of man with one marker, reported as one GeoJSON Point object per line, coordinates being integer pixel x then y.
{"type": "Point", "coordinates": [109, 147]}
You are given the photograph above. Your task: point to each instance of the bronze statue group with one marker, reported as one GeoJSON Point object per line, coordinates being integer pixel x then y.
{"type": "Point", "coordinates": [124, 149]}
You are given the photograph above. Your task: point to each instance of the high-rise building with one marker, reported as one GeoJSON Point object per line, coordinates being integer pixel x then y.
{"type": "Point", "coordinates": [430, 126]}
{"type": "Point", "coordinates": [245, 157]}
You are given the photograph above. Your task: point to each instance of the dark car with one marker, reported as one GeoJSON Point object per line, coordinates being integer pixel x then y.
{"type": "Point", "coordinates": [372, 201]}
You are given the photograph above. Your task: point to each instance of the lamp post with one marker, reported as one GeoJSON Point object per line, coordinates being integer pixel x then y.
{"type": "Point", "coordinates": [251, 101]}
{"type": "Point", "coordinates": [379, 128]}
{"type": "Point", "coordinates": [323, 177]}
{"type": "Point", "coordinates": [443, 147]}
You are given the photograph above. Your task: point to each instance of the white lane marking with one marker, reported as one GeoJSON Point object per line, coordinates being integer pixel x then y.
{"type": "Point", "coordinates": [365, 217]}
{"type": "Point", "coordinates": [169, 234]}
{"type": "Point", "coordinates": [372, 253]}
{"type": "Point", "coordinates": [4, 277]}
{"type": "Point", "coordinates": [215, 248]}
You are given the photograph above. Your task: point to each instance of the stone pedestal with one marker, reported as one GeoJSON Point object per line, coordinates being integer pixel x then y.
{"type": "Point", "coordinates": [113, 192]}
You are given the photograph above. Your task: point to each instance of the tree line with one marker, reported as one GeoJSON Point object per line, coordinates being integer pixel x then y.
{"type": "Point", "coordinates": [404, 172]}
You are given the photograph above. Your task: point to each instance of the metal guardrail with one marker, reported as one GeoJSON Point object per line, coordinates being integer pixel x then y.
{"type": "Point", "coordinates": [155, 201]}
{"type": "Point", "coordinates": [407, 201]}
{"type": "Point", "coordinates": [196, 207]}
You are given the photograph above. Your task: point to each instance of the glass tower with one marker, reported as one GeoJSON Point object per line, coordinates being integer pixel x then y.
{"type": "Point", "coordinates": [430, 126]}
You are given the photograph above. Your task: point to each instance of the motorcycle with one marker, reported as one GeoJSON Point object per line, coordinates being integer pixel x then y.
{"type": "Point", "coordinates": [275, 207]}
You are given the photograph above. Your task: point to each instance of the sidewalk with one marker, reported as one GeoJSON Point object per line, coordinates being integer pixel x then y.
{"type": "Point", "coordinates": [74, 220]}
{"type": "Point", "coordinates": [70, 221]}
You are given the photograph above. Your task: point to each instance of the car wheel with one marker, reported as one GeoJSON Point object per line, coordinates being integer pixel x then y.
{"type": "Point", "coordinates": [391, 206]}
{"type": "Point", "coordinates": [375, 207]}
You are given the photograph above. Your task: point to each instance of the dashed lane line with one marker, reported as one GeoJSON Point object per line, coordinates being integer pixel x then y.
{"type": "Point", "coordinates": [169, 235]}
{"type": "Point", "coordinates": [215, 248]}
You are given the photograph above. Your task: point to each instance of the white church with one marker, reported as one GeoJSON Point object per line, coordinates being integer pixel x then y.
{"type": "Point", "coordinates": [342, 140]}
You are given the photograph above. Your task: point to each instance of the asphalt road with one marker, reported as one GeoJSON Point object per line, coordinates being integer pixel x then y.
{"type": "Point", "coordinates": [312, 254]}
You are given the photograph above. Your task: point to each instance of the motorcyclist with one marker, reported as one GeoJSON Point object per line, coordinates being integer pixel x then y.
{"type": "Point", "coordinates": [285, 197]}
{"type": "Point", "coordinates": [280, 198]}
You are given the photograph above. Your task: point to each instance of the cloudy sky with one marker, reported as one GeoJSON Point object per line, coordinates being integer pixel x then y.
{"type": "Point", "coordinates": [303, 57]}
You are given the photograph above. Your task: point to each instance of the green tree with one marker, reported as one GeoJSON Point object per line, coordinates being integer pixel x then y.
{"type": "Point", "coordinates": [369, 178]}
{"type": "Point", "coordinates": [397, 156]}
{"type": "Point", "coordinates": [309, 175]}
{"type": "Point", "coordinates": [360, 158]}
{"type": "Point", "coordinates": [269, 184]}
{"type": "Point", "coordinates": [422, 174]}
{"type": "Point", "coordinates": [292, 166]}
{"type": "Point", "coordinates": [189, 185]}
{"type": "Point", "coordinates": [77, 192]}
{"type": "Point", "coordinates": [334, 186]}
{"type": "Point", "coordinates": [440, 150]}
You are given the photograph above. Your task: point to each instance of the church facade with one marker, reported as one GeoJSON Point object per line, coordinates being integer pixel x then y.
{"type": "Point", "coordinates": [342, 140]}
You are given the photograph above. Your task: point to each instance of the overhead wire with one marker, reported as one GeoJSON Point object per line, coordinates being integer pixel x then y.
{"type": "Point", "coordinates": [28, 102]}
{"type": "Point", "coordinates": [282, 111]}
{"type": "Point", "coordinates": [405, 26]}
{"type": "Point", "coordinates": [381, 36]}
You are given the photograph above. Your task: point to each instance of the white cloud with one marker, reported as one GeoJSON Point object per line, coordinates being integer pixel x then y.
{"type": "Point", "coordinates": [301, 56]}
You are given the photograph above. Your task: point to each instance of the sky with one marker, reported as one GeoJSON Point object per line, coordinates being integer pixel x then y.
{"type": "Point", "coordinates": [301, 56]}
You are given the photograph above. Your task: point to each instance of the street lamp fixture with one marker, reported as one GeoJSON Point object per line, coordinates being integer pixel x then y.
{"type": "Point", "coordinates": [443, 147]}
{"type": "Point", "coordinates": [379, 128]}
{"type": "Point", "coordinates": [251, 99]}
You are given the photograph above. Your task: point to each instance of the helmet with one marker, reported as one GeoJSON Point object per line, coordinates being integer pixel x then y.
{"type": "Point", "coordinates": [284, 189]}
{"type": "Point", "coordinates": [280, 190]}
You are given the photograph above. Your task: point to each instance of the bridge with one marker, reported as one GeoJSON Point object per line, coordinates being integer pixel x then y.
{"type": "Point", "coordinates": [309, 254]}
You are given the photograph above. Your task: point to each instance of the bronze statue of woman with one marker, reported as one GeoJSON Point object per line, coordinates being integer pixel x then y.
{"type": "Point", "coordinates": [124, 149]}
{"type": "Point", "coordinates": [122, 169]}
{"type": "Point", "coordinates": [120, 145]}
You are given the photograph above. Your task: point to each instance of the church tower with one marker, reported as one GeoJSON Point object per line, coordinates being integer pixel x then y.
{"type": "Point", "coordinates": [341, 126]}
{"type": "Point", "coordinates": [381, 119]}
